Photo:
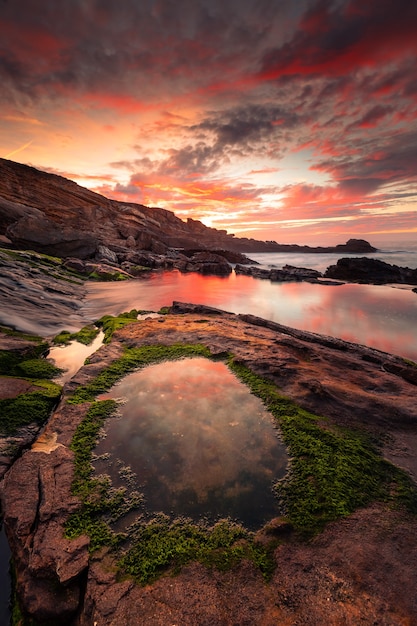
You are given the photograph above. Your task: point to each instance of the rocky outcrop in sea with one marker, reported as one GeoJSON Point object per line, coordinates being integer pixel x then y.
{"type": "Point", "coordinates": [371, 271]}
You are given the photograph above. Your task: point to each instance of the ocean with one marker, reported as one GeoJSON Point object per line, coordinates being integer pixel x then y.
{"type": "Point", "coordinates": [404, 255]}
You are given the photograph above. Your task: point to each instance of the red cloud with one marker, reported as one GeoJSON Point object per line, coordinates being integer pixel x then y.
{"type": "Point", "coordinates": [304, 201]}
{"type": "Point", "coordinates": [336, 41]}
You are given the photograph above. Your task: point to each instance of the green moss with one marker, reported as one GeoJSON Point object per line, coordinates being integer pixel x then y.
{"type": "Point", "coordinates": [95, 494]}
{"type": "Point", "coordinates": [107, 276]}
{"type": "Point", "coordinates": [25, 409]}
{"type": "Point", "coordinates": [21, 335]}
{"type": "Point", "coordinates": [333, 472]}
{"type": "Point", "coordinates": [27, 363]}
{"type": "Point", "coordinates": [164, 310]}
{"type": "Point", "coordinates": [162, 545]}
{"type": "Point", "coordinates": [39, 257]}
{"type": "Point", "coordinates": [63, 338]}
{"type": "Point", "coordinates": [34, 406]}
{"type": "Point", "coordinates": [86, 336]}
{"type": "Point", "coordinates": [37, 368]}
{"type": "Point", "coordinates": [134, 358]}
{"type": "Point", "coordinates": [139, 268]}
{"type": "Point", "coordinates": [110, 324]}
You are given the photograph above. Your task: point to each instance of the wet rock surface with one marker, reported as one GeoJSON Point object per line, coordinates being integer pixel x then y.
{"type": "Point", "coordinates": [288, 273]}
{"type": "Point", "coordinates": [36, 295]}
{"type": "Point", "coordinates": [360, 570]}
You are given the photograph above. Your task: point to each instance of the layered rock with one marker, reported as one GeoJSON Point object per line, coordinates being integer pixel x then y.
{"type": "Point", "coordinates": [288, 273]}
{"type": "Point", "coordinates": [41, 210]}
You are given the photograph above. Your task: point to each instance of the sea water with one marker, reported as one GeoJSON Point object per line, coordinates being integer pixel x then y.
{"type": "Point", "coordinates": [378, 316]}
{"type": "Point", "coordinates": [404, 255]}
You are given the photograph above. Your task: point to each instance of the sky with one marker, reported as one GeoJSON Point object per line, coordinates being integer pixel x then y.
{"type": "Point", "coordinates": [285, 120]}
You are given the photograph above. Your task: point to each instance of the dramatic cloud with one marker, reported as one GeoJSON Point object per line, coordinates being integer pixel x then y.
{"type": "Point", "coordinates": [273, 119]}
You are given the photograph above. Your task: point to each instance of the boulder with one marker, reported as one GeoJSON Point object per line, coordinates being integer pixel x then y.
{"type": "Point", "coordinates": [49, 568]}
{"type": "Point", "coordinates": [104, 271]}
{"type": "Point", "coordinates": [105, 254]}
{"type": "Point", "coordinates": [75, 264]}
{"type": "Point", "coordinates": [208, 263]}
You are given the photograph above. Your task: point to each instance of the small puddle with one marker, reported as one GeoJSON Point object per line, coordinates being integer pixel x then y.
{"type": "Point", "coordinates": [71, 358]}
{"type": "Point", "coordinates": [195, 442]}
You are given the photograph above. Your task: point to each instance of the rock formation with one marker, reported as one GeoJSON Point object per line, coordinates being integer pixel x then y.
{"type": "Point", "coordinates": [54, 215]}
{"type": "Point", "coordinates": [373, 271]}
{"type": "Point", "coordinates": [359, 569]}
{"type": "Point", "coordinates": [287, 273]}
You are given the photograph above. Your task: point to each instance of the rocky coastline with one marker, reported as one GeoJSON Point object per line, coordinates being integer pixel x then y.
{"type": "Point", "coordinates": [50, 214]}
{"type": "Point", "coordinates": [337, 576]}
{"type": "Point", "coordinates": [344, 552]}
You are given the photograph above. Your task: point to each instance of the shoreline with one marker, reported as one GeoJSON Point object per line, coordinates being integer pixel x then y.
{"type": "Point", "coordinates": [346, 385]}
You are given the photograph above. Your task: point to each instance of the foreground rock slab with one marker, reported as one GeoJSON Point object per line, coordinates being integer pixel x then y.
{"type": "Point", "coordinates": [360, 570]}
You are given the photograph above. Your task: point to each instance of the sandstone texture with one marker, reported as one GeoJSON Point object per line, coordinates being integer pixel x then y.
{"type": "Point", "coordinates": [359, 570]}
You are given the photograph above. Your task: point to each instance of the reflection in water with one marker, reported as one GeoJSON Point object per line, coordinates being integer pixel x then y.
{"type": "Point", "coordinates": [198, 442]}
{"type": "Point", "coordinates": [71, 357]}
{"type": "Point", "coordinates": [378, 316]}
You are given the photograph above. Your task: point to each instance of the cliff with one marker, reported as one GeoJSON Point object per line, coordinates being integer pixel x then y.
{"type": "Point", "coordinates": [56, 216]}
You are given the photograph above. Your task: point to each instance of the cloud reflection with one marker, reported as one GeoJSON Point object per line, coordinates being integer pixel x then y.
{"type": "Point", "coordinates": [199, 442]}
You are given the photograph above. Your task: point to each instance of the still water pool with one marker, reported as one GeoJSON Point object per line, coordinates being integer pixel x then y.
{"type": "Point", "coordinates": [196, 441]}
{"type": "Point", "coordinates": [378, 316]}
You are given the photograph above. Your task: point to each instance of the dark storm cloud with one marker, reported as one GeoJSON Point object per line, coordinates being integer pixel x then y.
{"type": "Point", "coordinates": [247, 124]}
{"type": "Point", "coordinates": [395, 161]}
{"type": "Point", "coordinates": [336, 38]}
{"type": "Point", "coordinates": [134, 47]}
{"type": "Point", "coordinates": [238, 132]}
{"type": "Point", "coordinates": [373, 116]}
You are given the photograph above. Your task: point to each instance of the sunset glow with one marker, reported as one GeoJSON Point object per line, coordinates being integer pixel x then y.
{"type": "Point", "coordinates": [292, 121]}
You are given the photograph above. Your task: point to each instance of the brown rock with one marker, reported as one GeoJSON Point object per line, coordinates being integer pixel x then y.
{"type": "Point", "coordinates": [42, 235]}
{"type": "Point", "coordinates": [31, 192]}
{"type": "Point", "coordinates": [360, 570]}
{"type": "Point", "coordinates": [48, 567]}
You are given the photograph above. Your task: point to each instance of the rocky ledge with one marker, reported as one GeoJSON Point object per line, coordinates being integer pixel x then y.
{"type": "Point", "coordinates": [288, 273]}
{"type": "Point", "coordinates": [361, 569]}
